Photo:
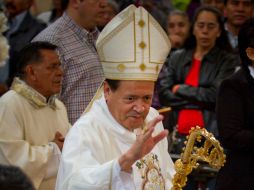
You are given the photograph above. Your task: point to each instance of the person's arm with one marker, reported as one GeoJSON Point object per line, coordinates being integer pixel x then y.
{"type": "Point", "coordinates": [205, 95]}
{"type": "Point", "coordinates": [144, 144]}
{"type": "Point", "coordinates": [54, 160]}
{"type": "Point", "coordinates": [168, 81]}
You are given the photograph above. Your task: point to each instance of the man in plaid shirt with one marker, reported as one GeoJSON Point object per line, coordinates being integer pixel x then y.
{"type": "Point", "coordinates": [74, 34]}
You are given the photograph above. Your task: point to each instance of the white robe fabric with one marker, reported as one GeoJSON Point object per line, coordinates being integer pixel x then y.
{"type": "Point", "coordinates": [92, 148]}
{"type": "Point", "coordinates": [26, 132]}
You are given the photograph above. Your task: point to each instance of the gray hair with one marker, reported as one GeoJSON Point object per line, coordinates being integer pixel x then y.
{"type": "Point", "coordinates": [114, 4]}
{"type": "Point", "coordinates": [178, 12]}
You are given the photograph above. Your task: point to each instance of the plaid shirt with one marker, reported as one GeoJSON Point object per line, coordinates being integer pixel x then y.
{"type": "Point", "coordinates": [83, 72]}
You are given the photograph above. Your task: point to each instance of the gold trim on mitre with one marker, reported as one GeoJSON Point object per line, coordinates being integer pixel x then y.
{"type": "Point", "coordinates": [133, 46]}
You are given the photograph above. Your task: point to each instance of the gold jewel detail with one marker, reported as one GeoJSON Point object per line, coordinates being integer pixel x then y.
{"type": "Point", "coordinates": [142, 67]}
{"type": "Point", "coordinates": [141, 23]}
{"type": "Point", "coordinates": [121, 67]}
{"type": "Point", "coordinates": [142, 45]}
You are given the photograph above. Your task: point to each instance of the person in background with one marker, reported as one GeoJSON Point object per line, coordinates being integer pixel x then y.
{"type": "Point", "coordinates": [4, 54]}
{"type": "Point", "coordinates": [236, 12]}
{"type": "Point", "coordinates": [22, 29]}
{"type": "Point", "coordinates": [33, 122]}
{"type": "Point", "coordinates": [74, 34]}
{"type": "Point", "coordinates": [111, 10]}
{"type": "Point", "coordinates": [119, 142]}
{"type": "Point", "coordinates": [235, 108]}
{"type": "Point", "coordinates": [13, 178]}
{"type": "Point", "coordinates": [153, 8]}
{"type": "Point", "coordinates": [194, 74]}
{"type": "Point", "coordinates": [50, 16]}
{"type": "Point", "coordinates": [219, 4]}
{"type": "Point", "coordinates": [178, 28]}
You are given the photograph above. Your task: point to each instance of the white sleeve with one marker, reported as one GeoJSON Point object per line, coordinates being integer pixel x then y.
{"type": "Point", "coordinates": [83, 166]}
{"type": "Point", "coordinates": [53, 162]}
{"type": "Point", "coordinates": [121, 179]}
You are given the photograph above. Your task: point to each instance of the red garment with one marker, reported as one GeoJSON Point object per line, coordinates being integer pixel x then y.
{"type": "Point", "coordinates": [189, 118]}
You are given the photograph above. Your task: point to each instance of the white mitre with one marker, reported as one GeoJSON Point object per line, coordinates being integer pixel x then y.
{"type": "Point", "coordinates": [133, 46]}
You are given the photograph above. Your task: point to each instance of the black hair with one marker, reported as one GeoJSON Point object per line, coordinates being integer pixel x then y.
{"type": "Point", "coordinates": [13, 178]}
{"type": "Point", "coordinates": [113, 84]}
{"type": "Point", "coordinates": [31, 54]}
{"type": "Point", "coordinates": [245, 40]}
{"type": "Point", "coordinates": [64, 4]}
{"type": "Point", "coordinates": [222, 41]}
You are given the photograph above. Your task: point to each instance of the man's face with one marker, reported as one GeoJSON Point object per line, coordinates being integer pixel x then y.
{"type": "Point", "coordinates": [178, 25]}
{"type": "Point", "coordinates": [48, 74]}
{"type": "Point", "coordinates": [130, 103]}
{"type": "Point", "coordinates": [238, 11]}
{"type": "Point", "coordinates": [15, 7]}
{"type": "Point", "coordinates": [206, 30]}
{"type": "Point", "coordinates": [109, 14]}
{"type": "Point", "coordinates": [91, 13]}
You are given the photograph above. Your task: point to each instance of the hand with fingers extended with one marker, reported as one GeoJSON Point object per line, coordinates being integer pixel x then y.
{"type": "Point", "coordinates": [59, 140]}
{"type": "Point", "coordinates": [144, 143]}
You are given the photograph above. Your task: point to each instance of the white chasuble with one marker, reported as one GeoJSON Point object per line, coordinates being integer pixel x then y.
{"type": "Point", "coordinates": [92, 149]}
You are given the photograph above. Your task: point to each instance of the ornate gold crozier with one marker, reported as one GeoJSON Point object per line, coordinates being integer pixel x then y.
{"type": "Point", "coordinates": [200, 146]}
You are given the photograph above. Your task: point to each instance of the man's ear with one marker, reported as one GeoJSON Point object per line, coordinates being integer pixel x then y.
{"type": "Point", "coordinates": [250, 53]}
{"type": "Point", "coordinates": [29, 70]}
{"type": "Point", "coordinates": [106, 90]}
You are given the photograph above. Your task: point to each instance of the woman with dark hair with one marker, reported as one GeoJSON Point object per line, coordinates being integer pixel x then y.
{"type": "Point", "coordinates": [194, 73]}
{"type": "Point", "coordinates": [235, 108]}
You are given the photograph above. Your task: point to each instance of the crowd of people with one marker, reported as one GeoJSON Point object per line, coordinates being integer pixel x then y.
{"type": "Point", "coordinates": [81, 84]}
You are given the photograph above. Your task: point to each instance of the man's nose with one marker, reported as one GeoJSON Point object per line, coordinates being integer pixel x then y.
{"type": "Point", "coordinates": [103, 3]}
{"type": "Point", "coordinates": [60, 71]}
{"type": "Point", "coordinates": [139, 108]}
{"type": "Point", "coordinates": [177, 29]}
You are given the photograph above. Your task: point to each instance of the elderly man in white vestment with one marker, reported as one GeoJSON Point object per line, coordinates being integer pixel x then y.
{"type": "Point", "coordinates": [119, 142]}
{"type": "Point", "coordinates": [33, 122]}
